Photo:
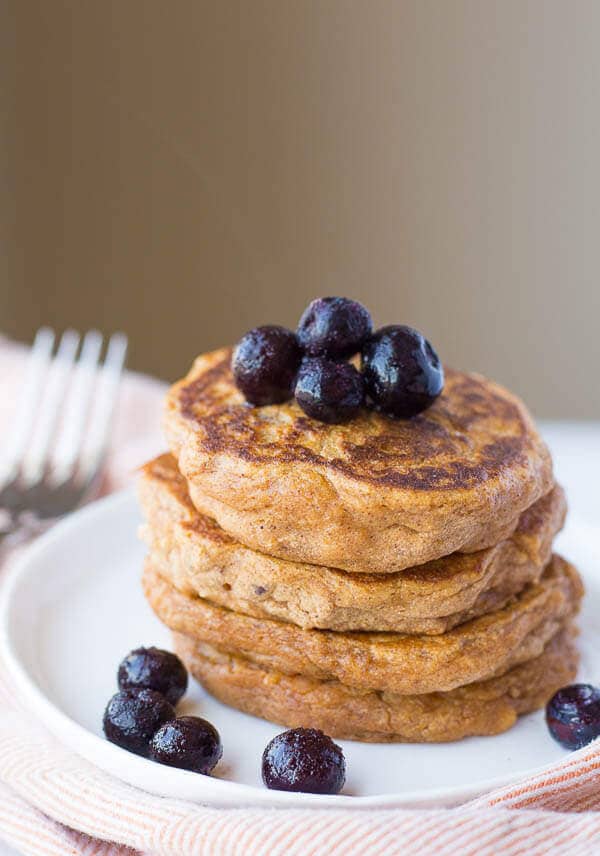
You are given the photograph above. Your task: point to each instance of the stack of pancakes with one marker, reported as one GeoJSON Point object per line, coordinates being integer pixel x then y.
{"type": "Point", "coordinates": [383, 580]}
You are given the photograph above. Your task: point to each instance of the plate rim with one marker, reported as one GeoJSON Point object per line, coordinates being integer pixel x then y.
{"type": "Point", "coordinates": [77, 738]}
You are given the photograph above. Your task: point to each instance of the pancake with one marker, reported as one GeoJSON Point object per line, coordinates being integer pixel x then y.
{"type": "Point", "coordinates": [394, 662]}
{"type": "Point", "coordinates": [376, 495]}
{"type": "Point", "coordinates": [481, 708]}
{"type": "Point", "coordinates": [199, 558]}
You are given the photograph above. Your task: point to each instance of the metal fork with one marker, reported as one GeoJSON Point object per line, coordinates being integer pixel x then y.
{"type": "Point", "coordinates": [55, 452]}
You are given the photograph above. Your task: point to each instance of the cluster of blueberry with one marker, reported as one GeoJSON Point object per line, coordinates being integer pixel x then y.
{"type": "Point", "coordinates": [573, 715]}
{"type": "Point", "coordinates": [400, 373]}
{"type": "Point", "coordinates": [141, 718]}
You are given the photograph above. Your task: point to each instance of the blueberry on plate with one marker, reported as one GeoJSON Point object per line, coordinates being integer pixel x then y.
{"type": "Point", "coordinates": [265, 363]}
{"type": "Point", "coordinates": [403, 374]}
{"type": "Point", "coordinates": [334, 327]}
{"type": "Point", "coordinates": [329, 391]}
{"type": "Point", "coordinates": [573, 715]}
{"type": "Point", "coordinates": [188, 742]}
{"type": "Point", "coordinates": [132, 717]}
{"type": "Point", "coordinates": [154, 669]}
{"type": "Point", "coordinates": [304, 759]}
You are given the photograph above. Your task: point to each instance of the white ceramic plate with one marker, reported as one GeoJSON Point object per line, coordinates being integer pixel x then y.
{"type": "Point", "coordinates": [74, 608]}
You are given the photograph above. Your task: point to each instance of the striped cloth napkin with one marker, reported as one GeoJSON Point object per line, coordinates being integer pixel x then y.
{"type": "Point", "coordinates": [53, 802]}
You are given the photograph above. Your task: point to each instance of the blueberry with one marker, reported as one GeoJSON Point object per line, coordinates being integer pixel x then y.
{"type": "Point", "coordinates": [304, 759]}
{"type": "Point", "coordinates": [154, 669]}
{"type": "Point", "coordinates": [265, 363]}
{"type": "Point", "coordinates": [132, 717]}
{"type": "Point", "coordinates": [403, 374]}
{"type": "Point", "coordinates": [334, 327]}
{"type": "Point", "coordinates": [573, 715]}
{"type": "Point", "coordinates": [188, 742]}
{"type": "Point", "coordinates": [329, 391]}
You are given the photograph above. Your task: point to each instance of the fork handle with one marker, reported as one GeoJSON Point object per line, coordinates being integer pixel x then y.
{"type": "Point", "coordinates": [5, 533]}
{"type": "Point", "coordinates": [12, 528]}
{"type": "Point", "coordinates": [3, 537]}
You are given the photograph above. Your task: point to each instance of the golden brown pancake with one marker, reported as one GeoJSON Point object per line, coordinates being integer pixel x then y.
{"type": "Point", "coordinates": [393, 662]}
{"type": "Point", "coordinates": [481, 708]}
{"type": "Point", "coordinates": [193, 553]}
{"type": "Point", "coordinates": [376, 495]}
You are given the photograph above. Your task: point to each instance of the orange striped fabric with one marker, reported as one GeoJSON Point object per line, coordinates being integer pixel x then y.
{"type": "Point", "coordinates": [53, 803]}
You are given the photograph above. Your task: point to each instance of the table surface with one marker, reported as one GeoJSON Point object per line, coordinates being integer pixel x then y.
{"type": "Point", "coordinates": [576, 450]}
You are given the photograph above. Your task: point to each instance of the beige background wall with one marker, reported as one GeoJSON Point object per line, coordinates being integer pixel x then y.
{"type": "Point", "coordinates": [185, 170]}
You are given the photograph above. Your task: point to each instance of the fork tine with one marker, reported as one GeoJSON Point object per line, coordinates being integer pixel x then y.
{"type": "Point", "coordinates": [76, 413]}
{"type": "Point", "coordinates": [107, 391]}
{"type": "Point", "coordinates": [37, 365]}
{"type": "Point", "coordinates": [34, 461]}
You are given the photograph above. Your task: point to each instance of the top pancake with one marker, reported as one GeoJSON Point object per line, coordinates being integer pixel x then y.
{"type": "Point", "coordinates": [374, 495]}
